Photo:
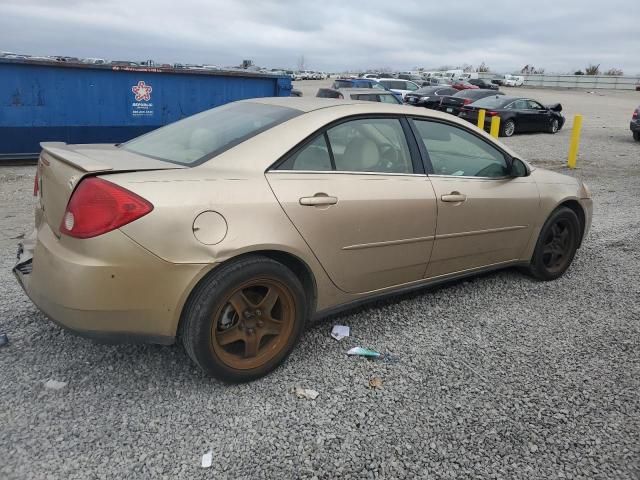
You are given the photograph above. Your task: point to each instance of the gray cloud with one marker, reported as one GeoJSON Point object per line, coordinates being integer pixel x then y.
{"type": "Point", "coordinates": [332, 35]}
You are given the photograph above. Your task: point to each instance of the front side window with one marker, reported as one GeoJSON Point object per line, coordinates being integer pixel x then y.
{"type": "Point", "coordinates": [386, 98]}
{"type": "Point", "coordinates": [456, 152]}
{"type": "Point", "coordinates": [364, 145]}
{"type": "Point", "coordinates": [370, 145]}
{"type": "Point", "coordinates": [203, 136]}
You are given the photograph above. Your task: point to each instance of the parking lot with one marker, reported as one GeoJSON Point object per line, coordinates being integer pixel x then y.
{"type": "Point", "coordinates": [497, 376]}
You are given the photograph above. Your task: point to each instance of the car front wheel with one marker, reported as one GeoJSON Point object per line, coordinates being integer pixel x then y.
{"type": "Point", "coordinates": [244, 319]}
{"type": "Point", "coordinates": [556, 246]}
{"type": "Point", "coordinates": [554, 126]}
{"type": "Point", "coordinates": [508, 128]}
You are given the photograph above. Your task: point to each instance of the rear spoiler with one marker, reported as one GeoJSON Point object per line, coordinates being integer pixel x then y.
{"type": "Point", "coordinates": [63, 153]}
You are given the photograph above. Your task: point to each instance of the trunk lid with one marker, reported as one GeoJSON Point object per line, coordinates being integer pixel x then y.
{"type": "Point", "coordinates": [62, 166]}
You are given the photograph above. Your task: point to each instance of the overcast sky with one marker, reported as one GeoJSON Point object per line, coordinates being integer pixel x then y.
{"type": "Point", "coordinates": [559, 35]}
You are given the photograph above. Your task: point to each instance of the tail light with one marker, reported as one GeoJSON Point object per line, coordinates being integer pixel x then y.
{"type": "Point", "coordinates": [36, 186]}
{"type": "Point", "coordinates": [491, 113]}
{"type": "Point", "coordinates": [98, 206]}
{"type": "Point", "coordinates": [635, 114]}
{"type": "Point", "coordinates": [466, 101]}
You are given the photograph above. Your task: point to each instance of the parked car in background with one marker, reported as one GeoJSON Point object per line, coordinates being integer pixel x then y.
{"type": "Point", "coordinates": [399, 86]}
{"type": "Point", "coordinates": [363, 94]}
{"type": "Point", "coordinates": [295, 92]}
{"type": "Point", "coordinates": [482, 83]}
{"type": "Point", "coordinates": [461, 85]}
{"type": "Point", "coordinates": [513, 81]}
{"type": "Point", "coordinates": [439, 81]}
{"type": "Point", "coordinates": [130, 244]}
{"type": "Point", "coordinates": [517, 115]}
{"type": "Point", "coordinates": [635, 124]}
{"type": "Point", "coordinates": [356, 83]}
{"type": "Point", "coordinates": [127, 63]}
{"type": "Point", "coordinates": [498, 80]}
{"type": "Point", "coordinates": [428, 97]}
{"type": "Point", "coordinates": [453, 103]}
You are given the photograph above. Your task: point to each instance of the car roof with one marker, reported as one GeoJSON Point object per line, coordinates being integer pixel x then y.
{"type": "Point", "coordinates": [365, 90]}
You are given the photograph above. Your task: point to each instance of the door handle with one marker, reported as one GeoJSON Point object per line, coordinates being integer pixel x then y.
{"type": "Point", "coordinates": [454, 197]}
{"type": "Point", "coordinates": [318, 199]}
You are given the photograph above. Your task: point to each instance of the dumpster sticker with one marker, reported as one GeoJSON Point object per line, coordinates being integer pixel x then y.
{"type": "Point", "coordinates": [142, 107]}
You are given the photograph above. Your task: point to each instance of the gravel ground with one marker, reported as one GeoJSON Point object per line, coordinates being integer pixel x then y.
{"type": "Point", "coordinates": [494, 377]}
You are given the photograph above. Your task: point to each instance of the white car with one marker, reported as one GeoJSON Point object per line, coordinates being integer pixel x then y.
{"type": "Point", "coordinates": [399, 86]}
{"type": "Point", "coordinates": [513, 81]}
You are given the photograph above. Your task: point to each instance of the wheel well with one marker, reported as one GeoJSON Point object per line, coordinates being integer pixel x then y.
{"type": "Point", "coordinates": [299, 268]}
{"type": "Point", "coordinates": [577, 209]}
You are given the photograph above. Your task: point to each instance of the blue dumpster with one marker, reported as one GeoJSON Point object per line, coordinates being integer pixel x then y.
{"type": "Point", "coordinates": [76, 103]}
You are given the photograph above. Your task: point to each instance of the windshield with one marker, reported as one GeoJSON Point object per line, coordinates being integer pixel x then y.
{"type": "Point", "coordinates": [203, 136]}
{"type": "Point", "coordinates": [490, 102]}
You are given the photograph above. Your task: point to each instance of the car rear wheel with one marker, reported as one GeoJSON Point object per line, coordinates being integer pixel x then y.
{"type": "Point", "coordinates": [556, 246]}
{"type": "Point", "coordinates": [508, 128]}
{"type": "Point", "coordinates": [554, 126]}
{"type": "Point", "coordinates": [244, 319]}
{"type": "Point", "coordinates": [636, 136]}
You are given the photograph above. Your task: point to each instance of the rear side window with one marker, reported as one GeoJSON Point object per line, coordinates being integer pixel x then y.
{"type": "Point", "coordinates": [342, 84]}
{"type": "Point", "coordinates": [456, 152]}
{"type": "Point", "coordinates": [203, 136]}
{"type": "Point", "coordinates": [312, 157]}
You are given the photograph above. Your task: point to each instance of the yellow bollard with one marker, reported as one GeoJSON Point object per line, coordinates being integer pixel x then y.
{"type": "Point", "coordinates": [495, 126]}
{"type": "Point", "coordinates": [481, 114]}
{"type": "Point", "coordinates": [575, 141]}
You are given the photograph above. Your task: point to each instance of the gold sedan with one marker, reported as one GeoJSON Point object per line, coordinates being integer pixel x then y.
{"type": "Point", "coordinates": [233, 228]}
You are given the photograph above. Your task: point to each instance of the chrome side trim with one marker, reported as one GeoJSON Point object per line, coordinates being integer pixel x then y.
{"type": "Point", "coordinates": [389, 242]}
{"type": "Point", "coordinates": [480, 232]}
{"type": "Point", "coordinates": [333, 172]}
{"type": "Point", "coordinates": [472, 177]}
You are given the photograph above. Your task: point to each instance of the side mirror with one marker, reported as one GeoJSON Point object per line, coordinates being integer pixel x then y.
{"type": "Point", "coordinates": [519, 168]}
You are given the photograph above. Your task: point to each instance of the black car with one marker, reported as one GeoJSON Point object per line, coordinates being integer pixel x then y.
{"type": "Point", "coordinates": [428, 96]}
{"type": "Point", "coordinates": [517, 115]}
{"type": "Point", "coordinates": [482, 83]}
{"type": "Point", "coordinates": [454, 103]}
{"type": "Point", "coordinates": [635, 124]}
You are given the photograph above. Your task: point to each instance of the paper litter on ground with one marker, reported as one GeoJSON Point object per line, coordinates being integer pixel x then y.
{"type": "Point", "coordinates": [340, 331]}
{"type": "Point", "coordinates": [207, 459]}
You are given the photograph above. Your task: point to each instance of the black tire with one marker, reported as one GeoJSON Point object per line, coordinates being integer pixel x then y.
{"type": "Point", "coordinates": [213, 293]}
{"type": "Point", "coordinates": [508, 128]}
{"type": "Point", "coordinates": [554, 126]}
{"type": "Point", "coordinates": [547, 262]}
{"type": "Point", "coordinates": [636, 136]}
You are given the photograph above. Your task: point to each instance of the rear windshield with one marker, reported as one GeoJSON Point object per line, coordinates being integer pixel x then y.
{"type": "Point", "coordinates": [200, 137]}
{"type": "Point", "coordinates": [342, 84]}
{"type": "Point", "coordinates": [395, 84]}
{"type": "Point", "coordinates": [491, 102]}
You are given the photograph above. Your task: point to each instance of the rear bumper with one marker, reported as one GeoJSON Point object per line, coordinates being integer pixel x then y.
{"type": "Point", "coordinates": [107, 288]}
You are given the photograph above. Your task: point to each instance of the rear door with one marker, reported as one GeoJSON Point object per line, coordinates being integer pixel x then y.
{"type": "Point", "coordinates": [358, 196]}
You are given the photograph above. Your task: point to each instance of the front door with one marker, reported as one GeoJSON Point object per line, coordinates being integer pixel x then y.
{"type": "Point", "coordinates": [354, 196]}
{"type": "Point", "coordinates": [484, 216]}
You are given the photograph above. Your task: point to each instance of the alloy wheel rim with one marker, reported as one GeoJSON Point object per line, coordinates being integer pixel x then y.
{"type": "Point", "coordinates": [253, 323]}
{"type": "Point", "coordinates": [558, 242]}
{"type": "Point", "coordinates": [509, 129]}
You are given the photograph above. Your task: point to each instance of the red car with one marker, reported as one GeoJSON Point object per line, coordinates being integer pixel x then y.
{"type": "Point", "coordinates": [461, 85]}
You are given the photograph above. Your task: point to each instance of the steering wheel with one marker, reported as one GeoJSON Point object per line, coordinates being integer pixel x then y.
{"type": "Point", "coordinates": [390, 159]}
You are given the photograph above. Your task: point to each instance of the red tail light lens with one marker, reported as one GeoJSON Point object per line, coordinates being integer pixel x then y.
{"type": "Point", "coordinates": [635, 114]}
{"type": "Point", "coordinates": [491, 113]}
{"type": "Point", "coordinates": [36, 186]}
{"type": "Point", "coordinates": [466, 101]}
{"type": "Point", "coordinates": [98, 206]}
